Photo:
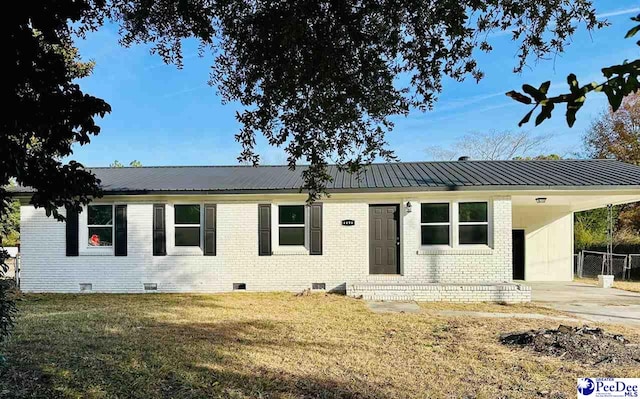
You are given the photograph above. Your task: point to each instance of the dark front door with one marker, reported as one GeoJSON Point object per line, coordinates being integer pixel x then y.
{"type": "Point", "coordinates": [384, 239]}
{"type": "Point", "coordinates": [518, 254]}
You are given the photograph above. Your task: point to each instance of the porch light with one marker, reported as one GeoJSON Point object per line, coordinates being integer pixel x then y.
{"type": "Point", "coordinates": [541, 200]}
{"type": "Point", "coordinates": [408, 207]}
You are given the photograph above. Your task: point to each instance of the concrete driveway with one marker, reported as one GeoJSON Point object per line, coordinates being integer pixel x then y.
{"type": "Point", "coordinates": [607, 305]}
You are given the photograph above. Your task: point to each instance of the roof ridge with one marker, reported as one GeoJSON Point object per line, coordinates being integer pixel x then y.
{"type": "Point", "coordinates": [373, 163]}
{"type": "Point", "coordinates": [189, 166]}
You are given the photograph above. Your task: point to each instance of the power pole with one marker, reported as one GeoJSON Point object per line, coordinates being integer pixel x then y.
{"type": "Point", "coordinates": [609, 266]}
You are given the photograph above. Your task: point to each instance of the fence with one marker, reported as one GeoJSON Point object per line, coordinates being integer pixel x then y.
{"type": "Point", "coordinates": [13, 271]}
{"type": "Point", "coordinates": [593, 263]}
{"type": "Point", "coordinates": [634, 267]}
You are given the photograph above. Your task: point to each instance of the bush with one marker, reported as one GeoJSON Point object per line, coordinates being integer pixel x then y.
{"type": "Point", "coordinates": [8, 308]}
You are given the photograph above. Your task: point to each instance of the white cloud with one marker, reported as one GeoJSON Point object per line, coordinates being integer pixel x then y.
{"type": "Point", "coordinates": [607, 14]}
{"type": "Point", "coordinates": [463, 102]}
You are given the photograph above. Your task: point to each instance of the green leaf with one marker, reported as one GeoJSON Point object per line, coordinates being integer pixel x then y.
{"type": "Point", "coordinates": [632, 85]}
{"type": "Point", "coordinates": [544, 87]}
{"type": "Point", "coordinates": [572, 108]}
{"type": "Point", "coordinates": [533, 92]}
{"type": "Point", "coordinates": [614, 97]}
{"type": "Point", "coordinates": [573, 84]}
{"type": "Point", "coordinates": [545, 113]}
{"type": "Point", "coordinates": [632, 32]}
{"type": "Point", "coordinates": [571, 116]}
{"type": "Point", "coordinates": [519, 97]}
{"type": "Point", "coordinates": [526, 118]}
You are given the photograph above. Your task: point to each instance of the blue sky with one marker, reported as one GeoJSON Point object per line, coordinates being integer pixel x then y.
{"type": "Point", "coordinates": [165, 116]}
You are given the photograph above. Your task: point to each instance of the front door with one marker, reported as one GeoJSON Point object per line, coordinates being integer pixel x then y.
{"type": "Point", "coordinates": [384, 239]}
{"type": "Point", "coordinates": [518, 254]}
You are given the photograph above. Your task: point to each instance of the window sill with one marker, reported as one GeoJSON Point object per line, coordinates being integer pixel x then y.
{"type": "Point", "coordinates": [481, 250]}
{"type": "Point", "coordinates": [291, 251]}
{"type": "Point", "coordinates": [96, 251]}
{"type": "Point", "coordinates": [185, 251]}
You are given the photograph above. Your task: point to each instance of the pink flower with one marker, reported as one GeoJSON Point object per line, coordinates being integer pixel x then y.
{"type": "Point", "coordinates": [94, 240]}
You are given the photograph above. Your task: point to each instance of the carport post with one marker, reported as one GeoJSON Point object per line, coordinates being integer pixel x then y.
{"type": "Point", "coordinates": [580, 263]}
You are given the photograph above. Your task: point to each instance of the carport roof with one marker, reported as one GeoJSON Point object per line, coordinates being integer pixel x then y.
{"type": "Point", "coordinates": [402, 176]}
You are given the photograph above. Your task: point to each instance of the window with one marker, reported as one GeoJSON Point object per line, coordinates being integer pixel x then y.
{"type": "Point", "coordinates": [187, 225]}
{"type": "Point", "coordinates": [473, 223]}
{"type": "Point", "coordinates": [100, 225]}
{"type": "Point", "coordinates": [435, 224]}
{"type": "Point", "coordinates": [291, 224]}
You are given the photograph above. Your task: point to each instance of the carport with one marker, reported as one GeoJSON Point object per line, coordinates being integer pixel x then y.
{"type": "Point", "coordinates": [543, 228]}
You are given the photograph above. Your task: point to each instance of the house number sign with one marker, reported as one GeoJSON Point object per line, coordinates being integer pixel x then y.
{"type": "Point", "coordinates": [348, 222]}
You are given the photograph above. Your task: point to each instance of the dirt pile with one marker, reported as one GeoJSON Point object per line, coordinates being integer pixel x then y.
{"type": "Point", "coordinates": [585, 344]}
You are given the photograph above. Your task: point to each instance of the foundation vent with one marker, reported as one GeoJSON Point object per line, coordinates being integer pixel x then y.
{"type": "Point", "coordinates": [84, 287]}
{"type": "Point", "coordinates": [318, 286]}
{"type": "Point", "coordinates": [239, 286]}
{"type": "Point", "coordinates": [150, 286]}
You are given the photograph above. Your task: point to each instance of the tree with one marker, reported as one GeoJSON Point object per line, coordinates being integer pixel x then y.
{"type": "Point", "coordinates": [616, 135]}
{"type": "Point", "coordinates": [542, 157]}
{"type": "Point", "coordinates": [132, 164]}
{"type": "Point", "coordinates": [323, 79]}
{"type": "Point", "coordinates": [10, 226]}
{"type": "Point", "coordinates": [319, 78]}
{"type": "Point", "coordinates": [44, 114]}
{"type": "Point", "coordinates": [621, 81]}
{"type": "Point", "coordinates": [45, 111]}
{"type": "Point", "coordinates": [493, 145]}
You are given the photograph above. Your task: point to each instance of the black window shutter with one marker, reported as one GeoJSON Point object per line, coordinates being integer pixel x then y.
{"type": "Point", "coordinates": [264, 229]}
{"type": "Point", "coordinates": [72, 232]}
{"type": "Point", "coordinates": [120, 241]}
{"type": "Point", "coordinates": [209, 230]}
{"type": "Point", "coordinates": [159, 234]}
{"type": "Point", "coordinates": [315, 229]}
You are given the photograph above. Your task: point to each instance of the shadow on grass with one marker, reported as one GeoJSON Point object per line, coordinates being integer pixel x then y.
{"type": "Point", "coordinates": [171, 360]}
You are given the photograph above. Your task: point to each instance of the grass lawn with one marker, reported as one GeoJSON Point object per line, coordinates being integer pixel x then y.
{"type": "Point", "coordinates": [633, 286]}
{"type": "Point", "coordinates": [273, 346]}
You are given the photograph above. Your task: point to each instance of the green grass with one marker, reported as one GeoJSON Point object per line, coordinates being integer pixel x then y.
{"type": "Point", "coordinates": [271, 346]}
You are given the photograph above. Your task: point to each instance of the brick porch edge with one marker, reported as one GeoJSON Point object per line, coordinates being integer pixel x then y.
{"type": "Point", "coordinates": [500, 292]}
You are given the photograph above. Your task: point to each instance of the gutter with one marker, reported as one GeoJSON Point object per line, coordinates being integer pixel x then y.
{"type": "Point", "coordinates": [360, 190]}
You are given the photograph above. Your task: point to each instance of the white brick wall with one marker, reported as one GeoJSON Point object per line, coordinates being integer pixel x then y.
{"type": "Point", "coordinates": [45, 268]}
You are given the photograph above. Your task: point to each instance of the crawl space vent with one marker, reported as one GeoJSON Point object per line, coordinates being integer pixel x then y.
{"type": "Point", "coordinates": [150, 286]}
{"type": "Point", "coordinates": [318, 286]}
{"type": "Point", "coordinates": [239, 286]}
{"type": "Point", "coordinates": [86, 287]}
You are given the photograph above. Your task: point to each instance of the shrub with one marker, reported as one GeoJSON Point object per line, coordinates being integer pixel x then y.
{"type": "Point", "coordinates": [8, 308]}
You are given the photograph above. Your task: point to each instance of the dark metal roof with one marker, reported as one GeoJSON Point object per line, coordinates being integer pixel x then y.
{"type": "Point", "coordinates": [407, 176]}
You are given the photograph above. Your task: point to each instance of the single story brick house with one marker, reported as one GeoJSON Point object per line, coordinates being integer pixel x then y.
{"type": "Point", "coordinates": [459, 231]}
